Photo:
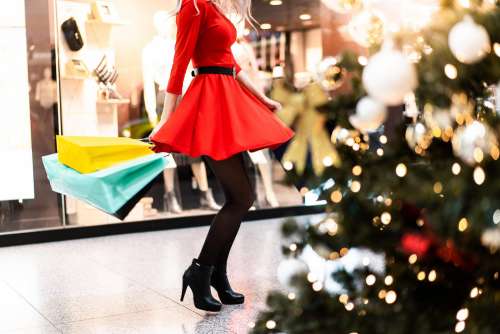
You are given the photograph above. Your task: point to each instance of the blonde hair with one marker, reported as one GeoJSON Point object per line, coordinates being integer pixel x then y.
{"type": "Point", "coordinates": [240, 8]}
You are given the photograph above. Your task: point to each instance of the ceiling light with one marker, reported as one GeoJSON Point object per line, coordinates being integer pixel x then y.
{"type": "Point", "coordinates": [265, 26]}
{"type": "Point", "coordinates": [305, 17]}
{"type": "Point", "coordinates": [275, 2]}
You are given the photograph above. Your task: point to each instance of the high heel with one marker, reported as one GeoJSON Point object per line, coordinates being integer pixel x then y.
{"type": "Point", "coordinates": [170, 203]}
{"type": "Point", "coordinates": [221, 284]}
{"type": "Point", "coordinates": [197, 277]}
{"type": "Point", "coordinates": [184, 288]}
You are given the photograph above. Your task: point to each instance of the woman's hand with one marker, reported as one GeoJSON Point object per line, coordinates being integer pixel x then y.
{"type": "Point", "coordinates": [245, 80]}
{"type": "Point", "coordinates": [271, 104]}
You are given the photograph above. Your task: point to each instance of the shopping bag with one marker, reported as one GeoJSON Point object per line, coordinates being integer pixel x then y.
{"type": "Point", "coordinates": [114, 190]}
{"type": "Point", "coordinates": [90, 154]}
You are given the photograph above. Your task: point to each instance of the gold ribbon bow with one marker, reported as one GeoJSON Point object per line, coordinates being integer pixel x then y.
{"type": "Point", "coordinates": [310, 131]}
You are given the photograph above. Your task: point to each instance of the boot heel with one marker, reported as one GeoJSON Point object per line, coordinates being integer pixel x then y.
{"type": "Point", "coordinates": [197, 277]}
{"type": "Point", "coordinates": [184, 288]}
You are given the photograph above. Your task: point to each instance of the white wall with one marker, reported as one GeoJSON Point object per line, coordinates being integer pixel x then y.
{"type": "Point", "coordinates": [306, 49]}
{"type": "Point", "coordinates": [314, 49]}
{"type": "Point", "coordinates": [130, 40]}
{"type": "Point", "coordinates": [16, 169]}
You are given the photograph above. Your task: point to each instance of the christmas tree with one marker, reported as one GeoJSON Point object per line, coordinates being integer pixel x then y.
{"type": "Point", "coordinates": [410, 241]}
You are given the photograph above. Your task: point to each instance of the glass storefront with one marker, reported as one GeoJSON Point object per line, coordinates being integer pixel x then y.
{"type": "Point", "coordinates": [29, 119]}
{"type": "Point", "coordinates": [111, 83]}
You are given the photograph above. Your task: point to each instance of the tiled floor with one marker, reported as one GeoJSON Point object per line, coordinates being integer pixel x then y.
{"type": "Point", "coordinates": [130, 283]}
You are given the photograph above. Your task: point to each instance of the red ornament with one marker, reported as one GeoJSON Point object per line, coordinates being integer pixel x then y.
{"type": "Point", "coordinates": [449, 253]}
{"type": "Point", "coordinates": [414, 243]}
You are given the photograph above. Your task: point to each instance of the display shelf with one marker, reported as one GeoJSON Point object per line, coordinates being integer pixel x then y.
{"type": "Point", "coordinates": [99, 32]}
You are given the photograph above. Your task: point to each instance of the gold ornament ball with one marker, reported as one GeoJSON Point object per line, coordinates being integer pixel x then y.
{"type": "Point", "coordinates": [418, 136]}
{"type": "Point", "coordinates": [367, 28]}
{"type": "Point", "coordinates": [330, 74]}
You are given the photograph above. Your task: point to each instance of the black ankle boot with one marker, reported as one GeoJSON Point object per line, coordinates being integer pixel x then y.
{"type": "Point", "coordinates": [221, 284]}
{"type": "Point", "coordinates": [197, 277]}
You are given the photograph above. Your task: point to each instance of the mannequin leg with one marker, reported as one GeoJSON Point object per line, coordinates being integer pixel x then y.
{"type": "Point", "coordinates": [267, 181]}
{"type": "Point", "coordinates": [170, 202]}
{"type": "Point", "coordinates": [207, 200]}
{"type": "Point", "coordinates": [168, 178]}
{"type": "Point", "coordinates": [200, 173]}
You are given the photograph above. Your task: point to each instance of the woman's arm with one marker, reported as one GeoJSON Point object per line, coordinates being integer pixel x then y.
{"type": "Point", "coordinates": [189, 21]}
{"type": "Point", "coordinates": [244, 79]}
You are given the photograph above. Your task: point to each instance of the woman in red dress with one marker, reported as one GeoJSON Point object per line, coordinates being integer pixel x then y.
{"type": "Point", "coordinates": [221, 115]}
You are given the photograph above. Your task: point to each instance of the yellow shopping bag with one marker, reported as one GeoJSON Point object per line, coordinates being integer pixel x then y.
{"type": "Point", "coordinates": [90, 154]}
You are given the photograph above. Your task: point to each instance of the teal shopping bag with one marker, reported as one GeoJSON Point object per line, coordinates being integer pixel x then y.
{"type": "Point", "coordinates": [111, 190]}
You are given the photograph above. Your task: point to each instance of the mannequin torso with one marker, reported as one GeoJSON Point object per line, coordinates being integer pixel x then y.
{"type": "Point", "coordinates": [157, 61]}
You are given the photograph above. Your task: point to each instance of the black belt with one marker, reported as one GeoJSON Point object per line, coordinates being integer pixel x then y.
{"type": "Point", "coordinates": [214, 70]}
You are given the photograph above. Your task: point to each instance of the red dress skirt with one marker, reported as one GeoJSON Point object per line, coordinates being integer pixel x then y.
{"type": "Point", "coordinates": [217, 116]}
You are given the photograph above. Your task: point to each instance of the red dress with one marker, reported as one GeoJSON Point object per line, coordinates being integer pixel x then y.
{"type": "Point", "coordinates": [217, 116]}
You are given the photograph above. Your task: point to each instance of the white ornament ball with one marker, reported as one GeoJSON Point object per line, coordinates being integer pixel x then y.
{"type": "Point", "coordinates": [358, 258]}
{"type": "Point", "coordinates": [469, 42]}
{"type": "Point", "coordinates": [389, 77]}
{"type": "Point", "coordinates": [289, 268]}
{"type": "Point", "coordinates": [405, 15]}
{"type": "Point", "coordinates": [471, 138]}
{"type": "Point", "coordinates": [370, 115]}
{"type": "Point", "coordinates": [491, 239]}
{"type": "Point", "coordinates": [474, 131]}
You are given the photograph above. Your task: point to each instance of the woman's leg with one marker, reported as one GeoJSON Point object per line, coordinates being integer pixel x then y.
{"type": "Point", "coordinates": [239, 196]}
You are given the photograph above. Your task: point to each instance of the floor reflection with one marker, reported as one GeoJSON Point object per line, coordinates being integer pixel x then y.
{"type": "Point", "coordinates": [131, 283]}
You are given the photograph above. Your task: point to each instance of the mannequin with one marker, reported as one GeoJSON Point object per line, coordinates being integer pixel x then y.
{"type": "Point", "coordinates": [157, 62]}
{"type": "Point", "coordinates": [46, 96]}
{"type": "Point", "coordinates": [245, 56]}
{"type": "Point", "coordinates": [46, 90]}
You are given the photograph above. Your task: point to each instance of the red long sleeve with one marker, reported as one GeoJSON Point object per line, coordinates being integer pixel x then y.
{"type": "Point", "coordinates": [188, 21]}
{"type": "Point", "coordinates": [204, 36]}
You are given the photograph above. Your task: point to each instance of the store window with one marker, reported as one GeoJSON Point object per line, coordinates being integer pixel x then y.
{"type": "Point", "coordinates": [109, 79]}
{"type": "Point", "coordinates": [28, 117]}
{"type": "Point", "coordinates": [114, 86]}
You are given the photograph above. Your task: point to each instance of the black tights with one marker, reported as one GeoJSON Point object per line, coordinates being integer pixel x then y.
{"type": "Point", "coordinates": [239, 195]}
